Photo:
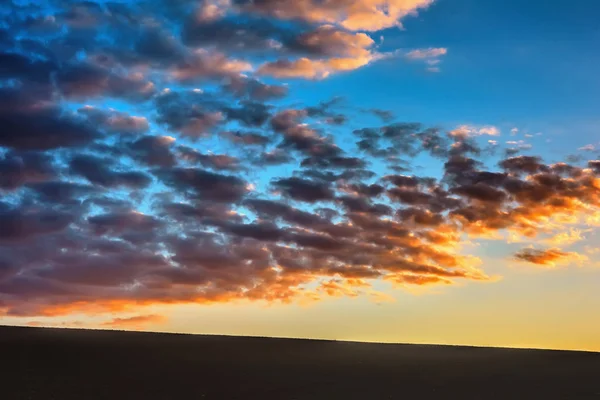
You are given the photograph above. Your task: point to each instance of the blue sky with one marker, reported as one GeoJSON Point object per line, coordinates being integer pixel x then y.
{"type": "Point", "coordinates": [528, 64]}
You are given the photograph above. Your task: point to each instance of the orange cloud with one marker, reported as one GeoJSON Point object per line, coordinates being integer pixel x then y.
{"type": "Point", "coordinates": [312, 69]}
{"type": "Point", "coordinates": [137, 321]}
{"type": "Point", "coordinates": [549, 257]}
{"type": "Point", "coordinates": [346, 52]}
{"type": "Point", "coordinates": [208, 64]}
{"type": "Point", "coordinates": [354, 15]}
{"type": "Point", "coordinates": [566, 238]}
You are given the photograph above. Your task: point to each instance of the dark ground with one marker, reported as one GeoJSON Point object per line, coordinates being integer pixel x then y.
{"type": "Point", "coordinates": [64, 364]}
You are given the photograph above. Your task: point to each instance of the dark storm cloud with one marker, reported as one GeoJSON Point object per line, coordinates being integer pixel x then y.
{"type": "Point", "coordinates": [250, 114]}
{"type": "Point", "coordinates": [238, 34]}
{"type": "Point", "coordinates": [114, 121]}
{"type": "Point", "coordinates": [82, 80]}
{"type": "Point", "coordinates": [153, 150]}
{"type": "Point", "coordinates": [385, 115]}
{"type": "Point", "coordinates": [298, 136]}
{"type": "Point", "coordinates": [123, 221]}
{"type": "Point", "coordinates": [264, 231]}
{"type": "Point", "coordinates": [19, 168]}
{"type": "Point", "coordinates": [402, 139]}
{"type": "Point", "coordinates": [207, 213]}
{"type": "Point", "coordinates": [359, 204]}
{"type": "Point", "coordinates": [254, 89]}
{"type": "Point", "coordinates": [334, 162]}
{"type": "Point", "coordinates": [60, 192]}
{"type": "Point", "coordinates": [98, 171]}
{"type": "Point", "coordinates": [196, 114]}
{"type": "Point", "coordinates": [18, 66]}
{"type": "Point", "coordinates": [213, 161]}
{"type": "Point", "coordinates": [159, 46]}
{"type": "Point", "coordinates": [203, 184]}
{"type": "Point", "coordinates": [271, 210]}
{"type": "Point", "coordinates": [247, 138]}
{"type": "Point", "coordinates": [419, 216]}
{"type": "Point", "coordinates": [344, 176]}
{"type": "Point", "coordinates": [324, 111]}
{"type": "Point", "coordinates": [523, 164]}
{"type": "Point", "coordinates": [32, 123]}
{"type": "Point", "coordinates": [20, 223]}
{"type": "Point", "coordinates": [595, 166]}
{"type": "Point", "coordinates": [304, 190]}
{"type": "Point", "coordinates": [362, 189]}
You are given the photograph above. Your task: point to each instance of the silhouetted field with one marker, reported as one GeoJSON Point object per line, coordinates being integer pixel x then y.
{"type": "Point", "coordinates": [64, 364]}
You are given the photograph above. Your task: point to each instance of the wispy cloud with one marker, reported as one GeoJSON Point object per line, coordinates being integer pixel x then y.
{"type": "Point", "coordinates": [137, 321]}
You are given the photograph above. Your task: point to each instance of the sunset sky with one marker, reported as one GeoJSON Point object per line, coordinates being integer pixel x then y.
{"type": "Point", "coordinates": [422, 171]}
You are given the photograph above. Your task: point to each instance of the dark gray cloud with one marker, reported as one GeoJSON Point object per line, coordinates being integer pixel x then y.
{"type": "Point", "coordinates": [98, 171]}
{"type": "Point", "coordinates": [203, 184]}
{"type": "Point", "coordinates": [304, 190]}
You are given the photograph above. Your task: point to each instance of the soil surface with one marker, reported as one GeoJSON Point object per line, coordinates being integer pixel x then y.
{"type": "Point", "coordinates": [64, 364]}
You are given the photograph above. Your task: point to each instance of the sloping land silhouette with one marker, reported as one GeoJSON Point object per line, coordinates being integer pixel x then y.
{"type": "Point", "coordinates": [64, 364]}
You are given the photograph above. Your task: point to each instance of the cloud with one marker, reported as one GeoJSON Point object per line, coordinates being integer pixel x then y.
{"type": "Point", "coordinates": [96, 170]}
{"type": "Point", "coordinates": [31, 122]}
{"type": "Point", "coordinates": [313, 69]}
{"type": "Point", "coordinates": [588, 147]}
{"type": "Point", "coordinates": [430, 53]}
{"type": "Point", "coordinates": [469, 130]}
{"type": "Point", "coordinates": [20, 168]}
{"type": "Point", "coordinates": [166, 164]}
{"type": "Point", "coordinates": [116, 122]}
{"type": "Point", "coordinates": [254, 89]}
{"type": "Point", "coordinates": [204, 64]}
{"type": "Point", "coordinates": [549, 257]}
{"type": "Point", "coordinates": [19, 224]}
{"type": "Point", "coordinates": [431, 57]}
{"type": "Point", "coordinates": [84, 80]}
{"type": "Point", "coordinates": [304, 190]}
{"type": "Point", "coordinates": [204, 184]}
{"type": "Point", "coordinates": [368, 15]}
{"type": "Point", "coordinates": [566, 238]}
{"type": "Point", "coordinates": [136, 322]}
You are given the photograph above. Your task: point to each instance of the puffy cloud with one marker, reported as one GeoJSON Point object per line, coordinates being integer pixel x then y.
{"type": "Point", "coordinates": [203, 184]}
{"type": "Point", "coordinates": [304, 190]}
{"type": "Point", "coordinates": [468, 130]}
{"type": "Point", "coordinates": [206, 193]}
{"type": "Point", "coordinates": [81, 81]}
{"type": "Point", "coordinates": [312, 69]}
{"type": "Point", "coordinates": [369, 15]}
{"type": "Point", "coordinates": [19, 224]}
{"type": "Point", "coordinates": [19, 168]}
{"type": "Point", "coordinates": [33, 122]}
{"type": "Point", "coordinates": [114, 121]}
{"type": "Point", "coordinates": [566, 238]}
{"type": "Point", "coordinates": [212, 161]}
{"type": "Point", "coordinates": [97, 171]}
{"type": "Point", "coordinates": [254, 89]}
{"type": "Point", "coordinates": [153, 150]}
{"type": "Point", "coordinates": [204, 64]}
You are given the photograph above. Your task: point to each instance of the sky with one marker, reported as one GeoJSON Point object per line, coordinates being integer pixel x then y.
{"type": "Point", "coordinates": [416, 171]}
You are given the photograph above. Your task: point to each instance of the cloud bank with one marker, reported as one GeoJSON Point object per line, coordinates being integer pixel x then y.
{"type": "Point", "coordinates": [147, 156]}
